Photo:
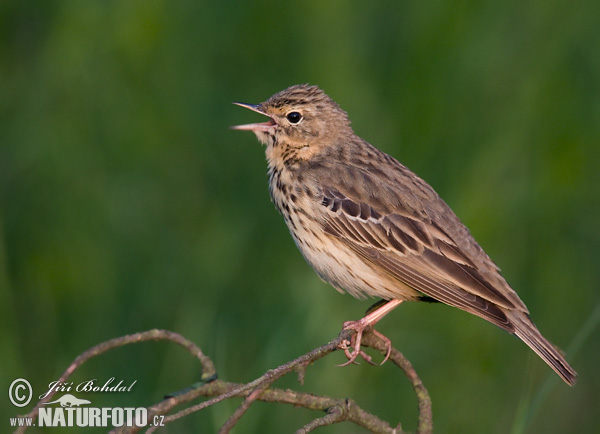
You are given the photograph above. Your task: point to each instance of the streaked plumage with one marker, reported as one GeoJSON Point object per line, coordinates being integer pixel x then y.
{"type": "Point", "coordinates": [371, 227]}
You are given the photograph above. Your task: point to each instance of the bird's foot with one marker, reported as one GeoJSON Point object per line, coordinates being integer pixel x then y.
{"type": "Point", "coordinates": [355, 342]}
{"type": "Point", "coordinates": [359, 327]}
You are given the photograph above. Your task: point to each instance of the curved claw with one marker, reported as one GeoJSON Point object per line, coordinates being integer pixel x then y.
{"type": "Point", "coordinates": [355, 344]}
{"type": "Point", "coordinates": [388, 344]}
{"type": "Point", "coordinates": [359, 327]}
{"type": "Point", "coordinates": [351, 359]}
{"type": "Point", "coordinates": [351, 356]}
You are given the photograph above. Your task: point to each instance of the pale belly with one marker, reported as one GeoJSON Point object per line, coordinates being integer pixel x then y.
{"type": "Point", "coordinates": [341, 267]}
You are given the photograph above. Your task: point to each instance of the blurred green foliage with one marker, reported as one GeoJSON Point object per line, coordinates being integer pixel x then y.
{"type": "Point", "coordinates": [127, 204]}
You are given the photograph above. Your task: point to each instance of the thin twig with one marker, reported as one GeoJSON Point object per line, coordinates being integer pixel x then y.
{"type": "Point", "coordinates": [425, 413]}
{"type": "Point", "coordinates": [241, 410]}
{"type": "Point", "coordinates": [334, 415]}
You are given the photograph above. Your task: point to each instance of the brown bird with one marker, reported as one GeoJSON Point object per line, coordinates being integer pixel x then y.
{"type": "Point", "coordinates": [371, 227]}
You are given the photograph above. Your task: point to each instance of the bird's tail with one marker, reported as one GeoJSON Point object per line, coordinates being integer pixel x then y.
{"type": "Point", "coordinates": [527, 331]}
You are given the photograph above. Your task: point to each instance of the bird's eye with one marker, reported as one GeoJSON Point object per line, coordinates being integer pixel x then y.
{"type": "Point", "coordinates": [294, 117]}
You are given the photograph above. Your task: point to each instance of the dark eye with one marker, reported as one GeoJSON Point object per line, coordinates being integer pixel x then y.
{"type": "Point", "coordinates": [294, 117]}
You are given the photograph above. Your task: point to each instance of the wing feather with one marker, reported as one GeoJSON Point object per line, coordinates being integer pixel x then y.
{"type": "Point", "coordinates": [419, 254]}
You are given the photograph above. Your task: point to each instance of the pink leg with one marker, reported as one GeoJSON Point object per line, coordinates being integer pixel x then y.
{"type": "Point", "coordinates": [359, 326]}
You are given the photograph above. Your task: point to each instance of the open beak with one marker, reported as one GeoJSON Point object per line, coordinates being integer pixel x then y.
{"type": "Point", "coordinates": [262, 126]}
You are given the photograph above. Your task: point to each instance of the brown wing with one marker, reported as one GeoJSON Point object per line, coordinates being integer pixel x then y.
{"type": "Point", "coordinates": [417, 252]}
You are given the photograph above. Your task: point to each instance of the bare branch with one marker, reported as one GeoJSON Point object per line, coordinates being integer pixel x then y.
{"type": "Point", "coordinates": [239, 412]}
{"type": "Point", "coordinates": [425, 414]}
{"type": "Point", "coordinates": [334, 415]}
{"type": "Point", "coordinates": [337, 410]}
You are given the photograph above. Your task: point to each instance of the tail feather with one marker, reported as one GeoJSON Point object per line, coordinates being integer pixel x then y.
{"type": "Point", "coordinates": [527, 331]}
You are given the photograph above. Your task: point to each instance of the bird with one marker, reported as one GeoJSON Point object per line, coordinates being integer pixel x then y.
{"type": "Point", "coordinates": [371, 227]}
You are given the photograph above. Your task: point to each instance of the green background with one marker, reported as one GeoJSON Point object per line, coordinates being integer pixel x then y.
{"type": "Point", "coordinates": [127, 204]}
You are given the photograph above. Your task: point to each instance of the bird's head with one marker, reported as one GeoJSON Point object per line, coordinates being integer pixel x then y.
{"type": "Point", "coordinates": [300, 116]}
